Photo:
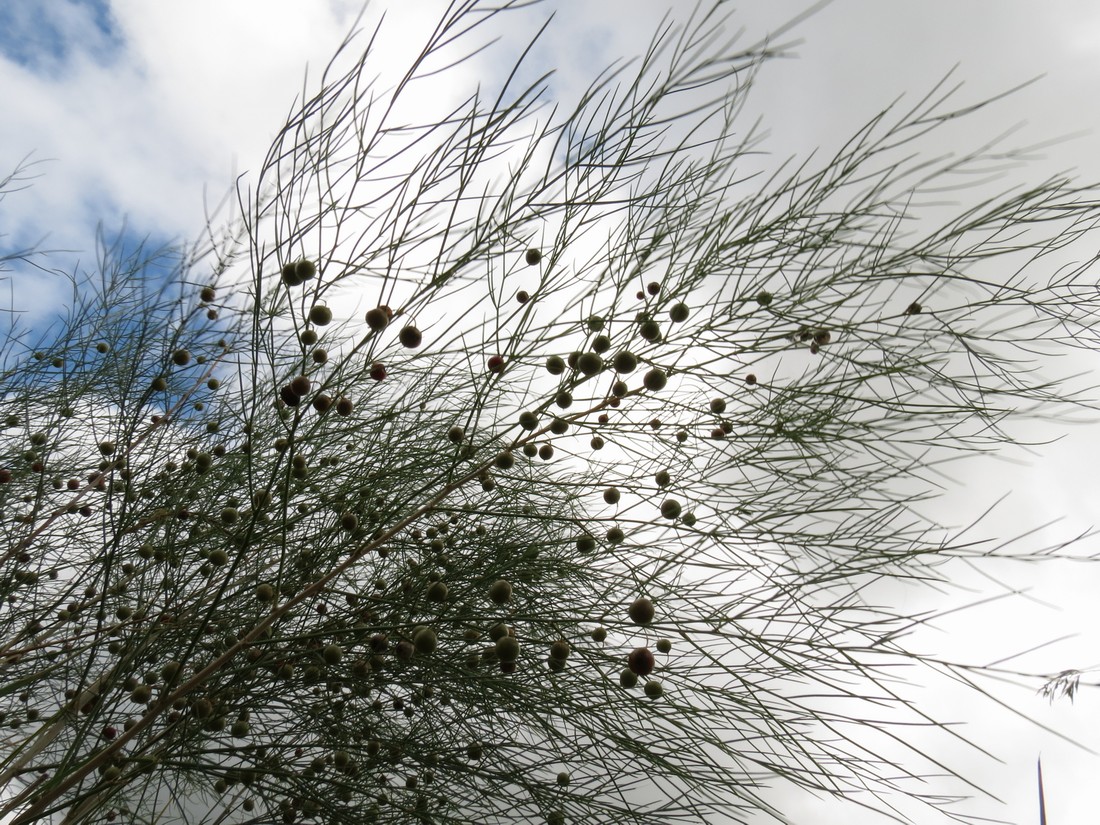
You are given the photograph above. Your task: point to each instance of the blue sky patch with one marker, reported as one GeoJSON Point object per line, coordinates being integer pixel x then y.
{"type": "Point", "coordinates": [43, 37]}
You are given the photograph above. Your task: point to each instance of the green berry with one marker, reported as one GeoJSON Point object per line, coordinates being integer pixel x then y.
{"type": "Point", "coordinates": [332, 653]}
{"type": "Point", "coordinates": [377, 318]}
{"type": "Point", "coordinates": [532, 256]}
{"type": "Point", "coordinates": [655, 380]}
{"type": "Point", "coordinates": [555, 365]}
{"type": "Point", "coordinates": [670, 508]}
{"type": "Point", "coordinates": [625, 362]}
{"type": "Point", "coordinates": [589, 363]}
{"type": "Point", "coordinates": [437, 592]}
{"type": "Point", "coordinates": [425, 639]}
{"type": "Point", "coordinates": [320, 315]}
{"type": "Point", "coordinates": [628, 678]}
{"type": "Point", "coordinates": [410, 337]}
{"type": "Point", "coordinates": [507, 648]}
{"type": "Point", "coordinates": [664, 645]}
{"type": "Point", "coordinates": [641, 611]}
{"type": "Point", "coordinates": [654, 689]}
{"type": "Point", "coordinates": [500, 591]}
{"type": "Point", "coordinates": [679, 312]}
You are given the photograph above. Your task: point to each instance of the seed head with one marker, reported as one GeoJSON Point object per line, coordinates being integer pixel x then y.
{"type": "Point", "coordinates": [344, 406]}
{"type": "Point", "coordinates": [555, 365]}
{"type": "Point", "coordinates": [320, 315]}
{"type": "Point", "coordinates": [456, 434]}
{"type": "Point", "coordinates": [654, 689]}
{"type": "Point", "coordinates": [410, 337]}
{"type": "Point", "coordinates": [532, 257]}
{"type": "Point", "coordinates": [181, 358]}
{"type": "Point", "coordinates": [628, 678]}
{"type": "Point", "coordinates": [670, 508]}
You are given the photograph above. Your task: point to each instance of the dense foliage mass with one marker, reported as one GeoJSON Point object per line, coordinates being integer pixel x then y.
{"type": "Point", "coordinates": [514, 465]}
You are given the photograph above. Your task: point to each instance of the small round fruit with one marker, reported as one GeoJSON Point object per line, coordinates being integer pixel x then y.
{"type": "Point", "coordinates": [240, 729]}
{"type": "Point", "coordinates": [305, 270]}
{"type": "Point", "coordinates": [718, 405]}
{"type": "Point", "coordinates": [289, 274]}
{"type": "Point", "coordinates": [377, 318]}
{"type": "Point", "coordinates": [625, 362]}
{"type": "Point", "coordinates": [650, 330]}
{"type": "Point", "coordinates": [670, 508]}
{"type": "Point", "coordinates": [601, 344]}
{"type": "Point", "coordinates": [679, 312]}
{"type": "Point", "coordinates": [559, 426]}
{"type": "Point", "coordinates": [181, 358]}
{"type": "Point", "coordinates": [533, 257]}
{"type": "Point", "coordinates": [611, 495]}
{"type": "Point", "coordinates": [586, 544]}
{"type": "Point", "coordinates": [689, 519]}
{"type": "Point", "coordinates": [523, 296]}
{"type": "Point", "coordinates": [599, 634]}
{"type": "Point", "coordinates": [615, 535]}
{"type": "Point", "coordinates": [560, 650]}
{"type": "Point", "coordinates": [589, 363]}
{"type": "Point", "coordinates": [500, 591]}
{"type": "Point", "coordinates": [410, 337]}
{"type": "Point", "coordinates": [564, 399]}
{"type": "Point", "coordinates": [456, 434]}
{"type": "Point", "coordinates": [641, 661]}
{"type": "Point", "coordinates": [654, 689]}
{"type": "Point", "coordinates": [320, 315]}
{"type": "Point", "coordinates": [750, 379]}
{"type": "Point", "coordinates": [437, 592]}
{"type": "Point", "coordinates": [404, 650]}
{"type": "Point", "coordinates": [528, 420]}
{"type": "Point", "coordinates": [425, 639]}
{"type": "Point", "coordinates": [555, 365]}
{"type": "Point", "coordinates": [474, 751]}
{"type": "Point", "coordinates": [344, 406]}
{"type": "Point", "coordinates": [641, 611]}
{"type": "Point", "coordinates": [141, 694]}
{"type": "Point", "coordinates": [495, 364]}
{"type": "Point", "coordinates": [664, 645]}
{"type": "Point", "coordinates": [378, 371]}
{"type": "Point", "coordinates": [498, 631]}
{"type": "Point", "coordinates": [628, 678]}
{"type": "Point", "coordinates": [655, 380]}
{"type": "Point", "coordinates": [265, 593]}
{"type": "Point", "coordinates": [159, 385]}
{"type": "Point", "coordinates": [763, 298]}
{"type": "Point", "coordinates": [507, 648]}
{"type": "Point", "coordinates": [301, 385]}
{"type": "Point", "coordinates": [348, 522]}
{"type": "Point", "coordinates": [662, 478]}
{"type": "Point", "coordinates": [546, 452]}
{"type": "Point", "coordinates": [596, 443]}
{"type": "Point", "coordinates": [505, 460]}
{"type": "Point", "coordinates": [218, 557]}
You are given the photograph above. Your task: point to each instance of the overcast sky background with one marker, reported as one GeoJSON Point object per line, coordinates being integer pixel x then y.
{"type": "Point", "coordinates": [138, 110]}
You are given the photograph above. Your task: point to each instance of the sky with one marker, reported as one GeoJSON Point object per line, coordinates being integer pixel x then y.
{"type": "Point", "coordinates": [142, 115]}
